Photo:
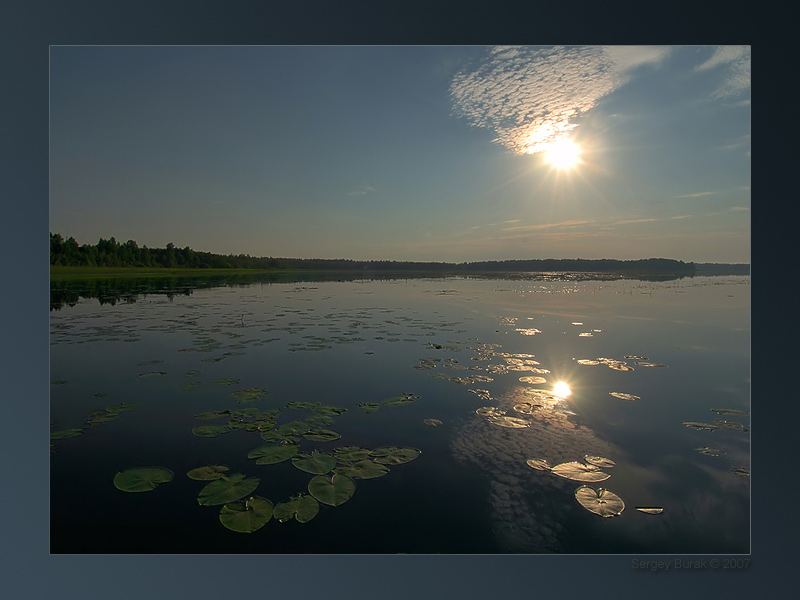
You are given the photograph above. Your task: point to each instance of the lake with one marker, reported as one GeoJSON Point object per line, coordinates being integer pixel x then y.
{"type": "Point", "coordinates": [411, 415]}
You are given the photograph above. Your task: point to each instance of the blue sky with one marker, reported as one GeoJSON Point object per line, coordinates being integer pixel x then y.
{"type": "Point", "coordinates": [404, 152]}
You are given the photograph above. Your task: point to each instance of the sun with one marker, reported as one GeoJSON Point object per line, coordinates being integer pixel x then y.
{"type": "Point", "coordinates": [563, 154]}
{"type": "Point", "coordinates": [561, 389]}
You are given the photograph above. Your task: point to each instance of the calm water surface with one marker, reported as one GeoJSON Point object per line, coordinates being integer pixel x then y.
{"type": "Point", "coordinates": [454, 345]}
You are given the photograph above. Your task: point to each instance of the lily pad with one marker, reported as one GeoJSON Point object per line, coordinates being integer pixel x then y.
{"type": "Point", "coordinates": [227, 381]}
{"type": "Point", "coordinates": [142, 479]}
{"type": "Point", "coordinates": [210, 431]}
{"type": "Point", "coordinates": [654, 510]}
{"type": "Point", "coordinates": [540, 464]}
{"type": "Point", "coordinates": [398, 401]}
{"type": "Point", "coordinates": [302, 507]}
{"type": "Point", "coordinates": [319, 420]}
{"type": "Point", "coordinates": [706, 450]}
{"type": "Point", "coordinates": [729, 425]}
{"type": "Point", "coordinates": [351, 453]}
{"type": "Point", "coordinates": [579, 472]}
{"type": "Point", "coordinates": [625, 396]}
{"type": "Point", "coordinates": [363, 469]}
{"type": "Point", "coordinates": [588, 362]}
{"type": "Point", "coordinates": [322, 435]}
{"type": "Point", "coordinates": [619, 366]}
{"type": "Point", "coordinates": [391, 455]}
{"type": "Point", "coordinates": [600, 502]}
{"type": "Point", "coordinates": [277, 437]}
{"type": "Point", "coordinates": [317, 462]}
{"type": "Point", "coordinates": [369, 407]}
{"type": "Point", "coordinates": [227, 488]}
{"type": "Point", "coordinates": [489, 411]}
{"type": "Point", "coordinates": [270, 455]}
{"type": "Point", "coordinates": [699, 426]}
{"type": "Point", "coordinates": [510, 422]}
{"type": "Point", "coordinates": [248, 516]}
{"type": "Point", "coordinates": [741, 472]}
{"type": "Point", "coordinates": [214, 414]}
{"type": "Point", "coordinates": [64, 434]}
{"type": "Point", "coordinates": [302, 405]}
{"type": "Point", "coordinates": [533, 379]}
{"type": "Point", "coordinates": [330, 410]}
{"type": "Point", "coordinates": [185, 387]}
{"type": "Point", "coordinates": [334, 490]}
{"type": "Point", "coordinates": [207, 473]}
{"type": "Point", "coordinates": [730, 411]}
{"type": "Point", "coordinates": [294, 428]}
{"type": "Point", "coordinates": [599, 461]}
{"type": "Point", "coordinates": [525, 408]}
{"type": "Point", "coordinates": [432, 422]}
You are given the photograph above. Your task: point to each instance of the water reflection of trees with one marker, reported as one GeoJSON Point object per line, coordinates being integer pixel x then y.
{"type": "Point", "coordinates": [111, 290]}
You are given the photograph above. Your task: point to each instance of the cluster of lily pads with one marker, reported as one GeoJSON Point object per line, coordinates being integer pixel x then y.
{"type": "Point", "coordinates": [601, 501]}
{"type": "Point", "coordinates": [93, 418]}
{"type": "Point", "coordinates": [721, 424]}
{"type": "Point", "coordinates": [334, 473]}
{"type": "Point", "coordinates": [620, 365]}
{"type": "Point", "coordinates": [333, 483]}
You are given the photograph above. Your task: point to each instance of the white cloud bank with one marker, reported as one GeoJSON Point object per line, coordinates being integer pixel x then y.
{"type": "Point", "coordinates": [529, 95]}
{"type": "Point", "coordinates": [734, 61]}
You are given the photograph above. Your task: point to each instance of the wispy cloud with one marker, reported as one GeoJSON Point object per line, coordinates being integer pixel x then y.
{"type": "Point", "coordinates": [632, 221]}
{"type": "Point", "coordinates": [739, 208]}
{"type": "Point", "coordinates": [529, 96]}
{"type": "Point", "coordinates": [546, 226]}
{"type": "Point", "coordinates": [363, 191]}
{"type": "Point", "coordinates": [697, 195]}
{"type": "Point", "coordinates": [734, 61]}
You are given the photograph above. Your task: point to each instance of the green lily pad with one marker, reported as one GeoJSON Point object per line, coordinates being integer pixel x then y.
{"type": "Point", "coordinates": [247, 412]}
{"type": "Point", "coordinates": [209, 431]}
{"type": "Point", "coordinates": [363, 469]}
{"type": "Point", "coordinates": [248, 516]}
{"type": "Point", "coordinates": [334, 490]}
{"type": "Point", "coordinates": [227, 488]}
{"type": "Point", "coordinates": [369, 407]}
{"type": "Point", "coordinates": [276, 437]}
{"type": "Point", "coordinates": [302, 507]}
{"type": "Point", "coordinates": [391, 455]}
{"type": "Point", "coordinates": [351, 453]}
{"type": "Point", "coordinates": [192, 373]}
{"type": "Point", "coordinates": [322, 435]}
{"type": "Point", "coordinates": [151, 373]}
{"type": "Point", "coordinates": [142, 479]}
{"type": "Point", "coordinates": [398, 401]}
{"type": "Point", "coordinates": [214, 414]}
{"type": "Point", "coordinates": [579, 472]}
{"type": "Point", "coordinates": [319, 421]}
{"type": "Point", "coordinates": [227, 381]}
{"type": "Point", "coordinates": [317, 462]}
{"type": "Point", "coordinates": [64, 434]}
{"type": "Point", "coordinates": [741, 472]}
{"type": "Point", "coordinates": [270, 455]}
{"type": "Point", "coordinates": [294, 428]}
{"type": "Point", "coordinates": [249, 394]}
{"type": "Point", "coordinates": [302, 405]}
{"type": "Point", "coordinates": [600, 502]}
{"type": "Point", "coordinates": [122, 406]}
{"type": "Point", "coordinates": [207, 473]}
{"type": "Point", "coordinates": [330, 410]}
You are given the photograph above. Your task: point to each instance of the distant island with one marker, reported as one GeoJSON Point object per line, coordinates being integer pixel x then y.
{"type": "Point", "coordinates": [109, 253]}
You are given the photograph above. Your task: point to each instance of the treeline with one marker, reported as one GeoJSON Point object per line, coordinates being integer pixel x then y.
{"type": "Point", "coordinates": [110, 253]}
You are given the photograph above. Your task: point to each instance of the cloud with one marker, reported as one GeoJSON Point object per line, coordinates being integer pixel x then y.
{"type": "Point", "coordinates": [696, 195]}
{"type": "Point", "coordinates": [734, 62]}
{"type": "Point", "coordinates": [361, 191]}
{"type": "Point", "coordinates": [546, 226]}
{"type": "Point", "coordinates": [530, 96]}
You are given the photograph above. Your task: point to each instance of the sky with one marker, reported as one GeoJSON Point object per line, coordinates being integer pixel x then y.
{"type": "Point", "coordinates": [421, 153]}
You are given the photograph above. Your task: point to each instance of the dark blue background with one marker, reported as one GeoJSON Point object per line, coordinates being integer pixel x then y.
{"type": "Point", "coordinates": [27, 30]}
